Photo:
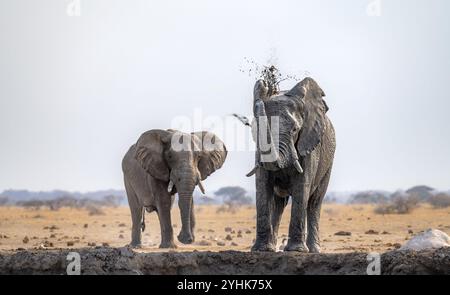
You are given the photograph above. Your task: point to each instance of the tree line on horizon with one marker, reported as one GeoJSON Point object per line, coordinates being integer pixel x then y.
{"type": "Point", "coordinates": [229, 196]}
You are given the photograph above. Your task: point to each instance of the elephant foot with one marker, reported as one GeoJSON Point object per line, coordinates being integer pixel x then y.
{"type": "Point", "coordinates": [167, 245]}
{"type": "Point", "coordinates": [314, 248]}
{"type": "Point", "coordinates": [296, 247]}
{"type": "Point", "coordinates": [186, 239]}
{"type": "Point", "coordinates": [135, 245]}
{"type": "Point", "coordinates": [263, 247]}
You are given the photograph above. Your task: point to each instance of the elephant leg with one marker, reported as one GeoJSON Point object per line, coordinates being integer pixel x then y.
{"type": "Point", "coordinates": [264, 208]}
{"type": "Point", "coordinates": [192, 220]}
{"type": "Point", "coordinates": [136, 216]}
{"type": "Point", "coordinates": [301, 191]}
{"type": "Point", "coordinates": [165, 220]}
{"type": "Point", "coordinates": [314, 206]}
{"type": "Point", "coordinates": [279, 205]}
{"type": "Point", "coordinates": [297, 225]}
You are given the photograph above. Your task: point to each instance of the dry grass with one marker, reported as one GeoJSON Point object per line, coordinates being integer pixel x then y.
{"type": "Point", "coordinates": [74, 228]}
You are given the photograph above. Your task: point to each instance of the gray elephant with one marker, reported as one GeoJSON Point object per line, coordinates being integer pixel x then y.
{"type": "Point", "coordinates": [161, 164]}
{"type": "Point", "coordinates": [300, 164]}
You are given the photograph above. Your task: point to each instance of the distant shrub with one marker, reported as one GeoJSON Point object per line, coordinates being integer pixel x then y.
{"type": "Point", "coordinates": [227, 208]}
{"type": "Point", "coordinates": [234, 196]}
{"type": "Point", "coordinates": [65, 201]}
{"type": "Point", "coordinates": [330, 200]}
{"type": "Point", "coordinates": [385, 209]}
{"type": "Point", "coordinates": [112, 200]}
{"type": "Point", "coordinates": [94, 210]}
{"type": "Point", "coordinates": [421, 192]}
{"type": "Point", "coordinates": [32, 204]}
{"type": "Point", "coordinates": [72, 202]}
{"type": "Point", "coordinates": [441, 200]}
{"type": "Point", "coordinates": [330, 211]}
{"type": "Point", "coordinates": [369, 197]}
{"type": "Point", "coordinates": [398, 205]}
{"type": "Point", "coordinates": [3, 201]}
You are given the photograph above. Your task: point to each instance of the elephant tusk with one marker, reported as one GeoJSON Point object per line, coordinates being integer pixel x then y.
{"type": "Point", "coordinates": [201, 187]}
{"type": "Point", "coordinates": [251, 173]}
{"type": "Point", "coordinates": [298, 166]}
{"type": "Point", "coordinates": [170, 187]}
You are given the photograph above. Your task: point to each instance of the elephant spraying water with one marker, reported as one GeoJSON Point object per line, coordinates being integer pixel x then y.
{"type": "Point", "coordinates": [294, 159]}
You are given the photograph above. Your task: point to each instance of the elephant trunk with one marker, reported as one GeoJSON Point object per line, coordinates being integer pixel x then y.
{"type": "Point", "coordinates": [267, 147]}
{"type": "Point", "coordinates": [185, 202]}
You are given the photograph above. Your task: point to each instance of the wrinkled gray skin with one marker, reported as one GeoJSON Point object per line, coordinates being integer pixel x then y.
{"type": "Point", "coordinates": [154, 171]}
{"type": "Point", "coordinates": [302, 167]}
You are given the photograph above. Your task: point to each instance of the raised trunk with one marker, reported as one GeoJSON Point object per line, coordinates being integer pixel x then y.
{"type": "Point", "coordinates": [267, 145]}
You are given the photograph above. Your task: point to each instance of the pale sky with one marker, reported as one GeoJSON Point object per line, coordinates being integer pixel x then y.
{"type": "Point", "coordinates": [77, 91]}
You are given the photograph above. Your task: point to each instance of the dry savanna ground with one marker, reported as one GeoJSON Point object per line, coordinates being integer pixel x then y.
{"type": "Point", "coordinates": [360, 228]}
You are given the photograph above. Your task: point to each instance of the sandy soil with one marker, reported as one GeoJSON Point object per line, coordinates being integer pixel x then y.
{"type": "Point", "coordinates": [216, 231]}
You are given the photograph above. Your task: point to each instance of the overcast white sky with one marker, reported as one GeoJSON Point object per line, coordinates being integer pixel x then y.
{"type": "Point", "coordinates": [76, 92]}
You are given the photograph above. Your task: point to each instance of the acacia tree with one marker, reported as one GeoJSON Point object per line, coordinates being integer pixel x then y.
{"type": "Point", "coordinates": [234, 195]}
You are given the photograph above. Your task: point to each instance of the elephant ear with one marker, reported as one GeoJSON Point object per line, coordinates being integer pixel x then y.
{"type": "Point", "coordinates": [150, 153]}
{"type": "Point", "coordinates": [314, 116]}
{"type": "Point", "coordinates": [212, 155]}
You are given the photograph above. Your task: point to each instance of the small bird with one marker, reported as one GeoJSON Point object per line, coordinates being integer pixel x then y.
{"type": "Point", "coordinates": [243, 119]}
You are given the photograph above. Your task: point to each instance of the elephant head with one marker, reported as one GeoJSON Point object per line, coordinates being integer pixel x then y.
{"type": "Point", "coordinates": [288, 125]}
{"type": "Point", "coordinates": [182, 161]}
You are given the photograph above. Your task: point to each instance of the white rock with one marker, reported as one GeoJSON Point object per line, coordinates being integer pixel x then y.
{"type": "Point", "coordinates": [280, 246]}
{"type": "Point", "coordinates": [428, 239]}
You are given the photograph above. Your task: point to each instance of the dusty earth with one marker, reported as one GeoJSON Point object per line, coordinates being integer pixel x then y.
{"type": "Point", "coordinates": [358, 229]}
{"type": "Point", "coordinates": [38, 241]}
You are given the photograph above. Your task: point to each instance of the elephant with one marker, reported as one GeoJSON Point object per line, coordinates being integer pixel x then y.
{"type": "Point", "coordinates": [302, 152]}
{"type": "Point", "coordinates": [161, 164]}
